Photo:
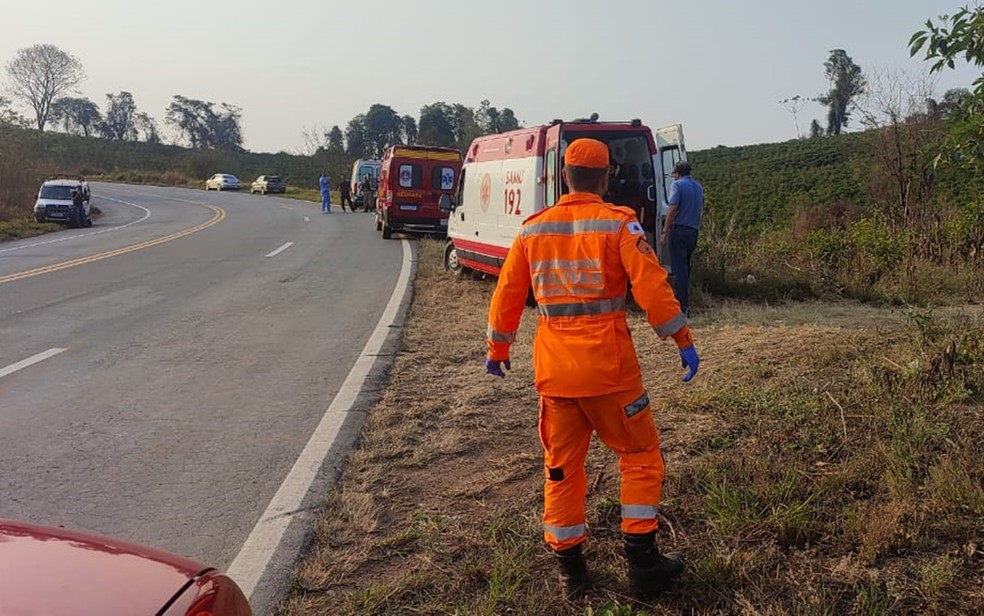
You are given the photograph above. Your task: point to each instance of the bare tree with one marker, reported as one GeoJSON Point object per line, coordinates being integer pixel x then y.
{"type": "Point", "coordinates": [902, 182]}
{"type": "Point", "coordinates": [794, 105]}
{"type": "Point", "coordinates": [314, 137]}
{"type": "Point", "coordinates": [42, 73]}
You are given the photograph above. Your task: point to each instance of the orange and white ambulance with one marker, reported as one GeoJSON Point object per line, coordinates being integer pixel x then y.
{"type": "Point", "coordinates": [508, 176]}
{"type": "Point", "coordinates": [412, 179]}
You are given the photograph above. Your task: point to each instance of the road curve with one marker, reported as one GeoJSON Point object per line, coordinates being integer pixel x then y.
{"type": "Point", "coordinates": [160, 386]}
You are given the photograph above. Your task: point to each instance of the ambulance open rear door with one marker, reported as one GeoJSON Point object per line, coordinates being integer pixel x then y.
{"type": "Point", "coordinates": [670, 149]}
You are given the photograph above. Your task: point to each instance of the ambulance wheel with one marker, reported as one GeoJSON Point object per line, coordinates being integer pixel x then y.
{"type": "Point", "coordinates": [451, 262]}
{"type": "Point", "coordinates": [387, 231]}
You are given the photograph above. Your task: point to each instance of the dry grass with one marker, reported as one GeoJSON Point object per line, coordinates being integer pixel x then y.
{"type": "Point", "coordinates": [826, 461]}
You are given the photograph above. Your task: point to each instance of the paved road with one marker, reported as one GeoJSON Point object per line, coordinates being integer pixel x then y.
{"type": "Point", "coordinates": [183, 358]}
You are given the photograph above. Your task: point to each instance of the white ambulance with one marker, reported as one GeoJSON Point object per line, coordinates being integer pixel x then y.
{"type": "Point", "coordinates": [509, 176]}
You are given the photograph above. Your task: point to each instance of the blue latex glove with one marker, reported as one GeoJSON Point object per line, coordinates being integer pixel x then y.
{"type": "Point", "coordinates": [689, 359]}
{"type": "Point", "coordinates": [495, 367]}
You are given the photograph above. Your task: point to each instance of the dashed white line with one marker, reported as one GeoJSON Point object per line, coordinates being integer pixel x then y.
{"type": "Point", "coordinates": [281, 249]}
{"type": "Point", "coordinates": [30, 361]}
{"type": "Point", "coordinates": [306, 219]}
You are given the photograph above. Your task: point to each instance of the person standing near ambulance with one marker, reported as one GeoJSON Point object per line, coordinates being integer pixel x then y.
{"type": "Point", "coordinates": [681, 227]}
{"type": "Point", "coordinates": [578, 256]}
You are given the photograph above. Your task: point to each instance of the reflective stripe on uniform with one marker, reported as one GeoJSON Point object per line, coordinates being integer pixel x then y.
{"type": "Point", "coordinates": [601, 306]}
{"type": "Point", "coordinates": [601, 225]}
{"type": "Point", "coordinates": [672, 326]}
{"type": "Point", "coordinates": [496, 336]}
{"type": "Point", "coordinates": [639, 512]}
{"type": "Point", "coordinates": [563, 264]}
{"type": "Point", "coordinates": [564, 533]}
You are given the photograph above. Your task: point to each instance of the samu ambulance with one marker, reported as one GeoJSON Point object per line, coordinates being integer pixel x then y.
{"type": "Point", "coordinates": [509, 176]}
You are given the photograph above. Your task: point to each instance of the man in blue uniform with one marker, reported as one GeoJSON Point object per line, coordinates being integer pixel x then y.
{"type": "Point", "coordinates": [325, 194]}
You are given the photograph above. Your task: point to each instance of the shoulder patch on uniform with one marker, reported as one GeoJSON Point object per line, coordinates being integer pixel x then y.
{"type": "Point", "coordinates": [635, 228]}
{"type": "Point", "coordinates": [643, 246]}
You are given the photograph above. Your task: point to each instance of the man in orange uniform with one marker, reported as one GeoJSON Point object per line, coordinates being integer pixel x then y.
{"type": "Point", "coordinates": [578, 257]}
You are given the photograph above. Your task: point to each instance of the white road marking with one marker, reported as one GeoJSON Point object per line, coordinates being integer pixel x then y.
{"type": "Point", "coordinates": [306, 219]}
{"type": "Point", "coordinates": [146, 215]}
{"type": "Point", "coordinates": [30, 361]}
{"type": "Point", "coordinates": [281, 249]}
{"type": "Point", "coordinates": [259, 547]}
{"type": "Point", "coordinates": [286, 208]}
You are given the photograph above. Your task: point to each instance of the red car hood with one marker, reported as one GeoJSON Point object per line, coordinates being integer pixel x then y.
{"type": "Point", "coordinates": [54, 572]}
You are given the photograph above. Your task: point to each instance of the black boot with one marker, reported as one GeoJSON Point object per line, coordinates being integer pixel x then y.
{"type": "Point", "coordinates": [573, 571]}
{"type": "Point", "coordinates": [649, 571]}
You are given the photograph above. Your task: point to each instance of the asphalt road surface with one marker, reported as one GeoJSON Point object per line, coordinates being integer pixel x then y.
{"type": "Point", "coordinates": [161, 371]}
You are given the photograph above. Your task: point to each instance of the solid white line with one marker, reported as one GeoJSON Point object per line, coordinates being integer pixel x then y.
{"type": "Point", "coordinates": [99, 232]}
{"type": "Point", "coordinates": [30, 361]}
{"type": "Point", "coordinates": [281, 249]}
{"type": "Point", "coordinates": [254, 556]}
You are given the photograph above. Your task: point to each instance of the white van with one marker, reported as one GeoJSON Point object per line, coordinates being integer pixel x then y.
{"type": "Point", "coordinates": [55, 203]}
{"type": "Point", "coordinates": [509, 176]}
{"type": "Point", "coordinates": [360, 168]}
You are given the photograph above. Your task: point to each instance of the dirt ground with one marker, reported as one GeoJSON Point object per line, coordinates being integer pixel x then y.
{"type": "Point", "coordinates": [437, 511]}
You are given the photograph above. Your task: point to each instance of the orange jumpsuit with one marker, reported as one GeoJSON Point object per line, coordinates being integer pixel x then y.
{"type": "Point", "coordinates": [578, 257]}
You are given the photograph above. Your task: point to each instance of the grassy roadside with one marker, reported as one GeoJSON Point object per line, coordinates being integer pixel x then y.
{"type": "Point", "coordinates": [826, 461]}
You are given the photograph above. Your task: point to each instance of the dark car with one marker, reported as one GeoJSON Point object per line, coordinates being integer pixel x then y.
{"type": "Point", "coordinates": [55, 572]}
{"type": "Point", "coordinates": [268, 184]}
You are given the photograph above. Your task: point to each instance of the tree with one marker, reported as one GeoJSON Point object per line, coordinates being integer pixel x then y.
{"type": "Point", "coordinates": [408, 129]}
{"type": "Point", "coordinates": [78, 116]}
{"type": "Point", "coordinates": [9, 117]}
{"type": "Point", "coordinates": [816, 131]}
{"type": "Point", "coordinates": [335, 140]}
{"type": "Point", "coordinates": [846, 83]}
{"type": "Point", "coordinates": [436, 127]}
{"type": "Point", "coordinates": [382, 129]}
{"type": "Point", "coordinates": [355, 137]}
{"type": "Point", "coordinates": [147, 128]}
{"type": "Point", "coordinates": [42, 73]}
{"type": "Point", "coordinates": [203, 126]}
{"type": "Point", "coordinates": [492, 120]}
{"type": "Point", "coordinates": [121, 111]}
{"type": "Point", "coordinates": [794, 105]}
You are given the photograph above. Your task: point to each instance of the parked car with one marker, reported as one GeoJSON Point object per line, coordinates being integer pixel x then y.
{"type": "Point", "coordinates": [268, 184]}
{"type": "Point", "coordinates": [57, 572]}
{"type": "Point", "coordinates": [222, 181]}
{"type": "Point", "coordinates": [55, 204]}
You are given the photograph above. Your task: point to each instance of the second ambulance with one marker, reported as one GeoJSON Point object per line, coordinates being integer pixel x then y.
{"type": "Point", "coordinates": [508, 176]}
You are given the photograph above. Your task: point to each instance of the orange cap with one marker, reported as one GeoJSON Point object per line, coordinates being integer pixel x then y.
{"type": "Point", "coordinates": [587, 153]}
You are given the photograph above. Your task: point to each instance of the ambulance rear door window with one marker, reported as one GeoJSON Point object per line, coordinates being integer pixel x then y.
{"type": "Point", "coordinates": [442, 178]}
{"type": "Point", "coordinates": [411, 176]}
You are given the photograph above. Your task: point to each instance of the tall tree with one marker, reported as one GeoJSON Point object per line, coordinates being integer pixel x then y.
{"type": "Point", "coordinates": [408, 129]}
{"type": "Point", "coordinates": [147, 128]}
{"type": "Point", "coordinates": [846, 83]}
{"type": "Point", "coordinates": [382, 129]}
{"type": "Point", "coordinates": [79, 116]}
{"type": "Point", "coordinates": [355, 137]}
{"type": "Point", "coordinates": [335, 140]}
{"type": "Point", "coordinates": [121, 112]}
{"type": "Point", "coordinates": [203, 126]}
{"type": "Point", "coordinates": [436, 126]}
{"type": "Point", "coordinates": [40, 74]}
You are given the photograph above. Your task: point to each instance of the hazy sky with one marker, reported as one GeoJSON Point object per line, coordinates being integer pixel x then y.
{"type": "Point", "coordinates": [718, 67]}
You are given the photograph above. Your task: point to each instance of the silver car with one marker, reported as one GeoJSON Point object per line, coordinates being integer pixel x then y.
{"type": "Point", "coordinates": [222, 181]}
